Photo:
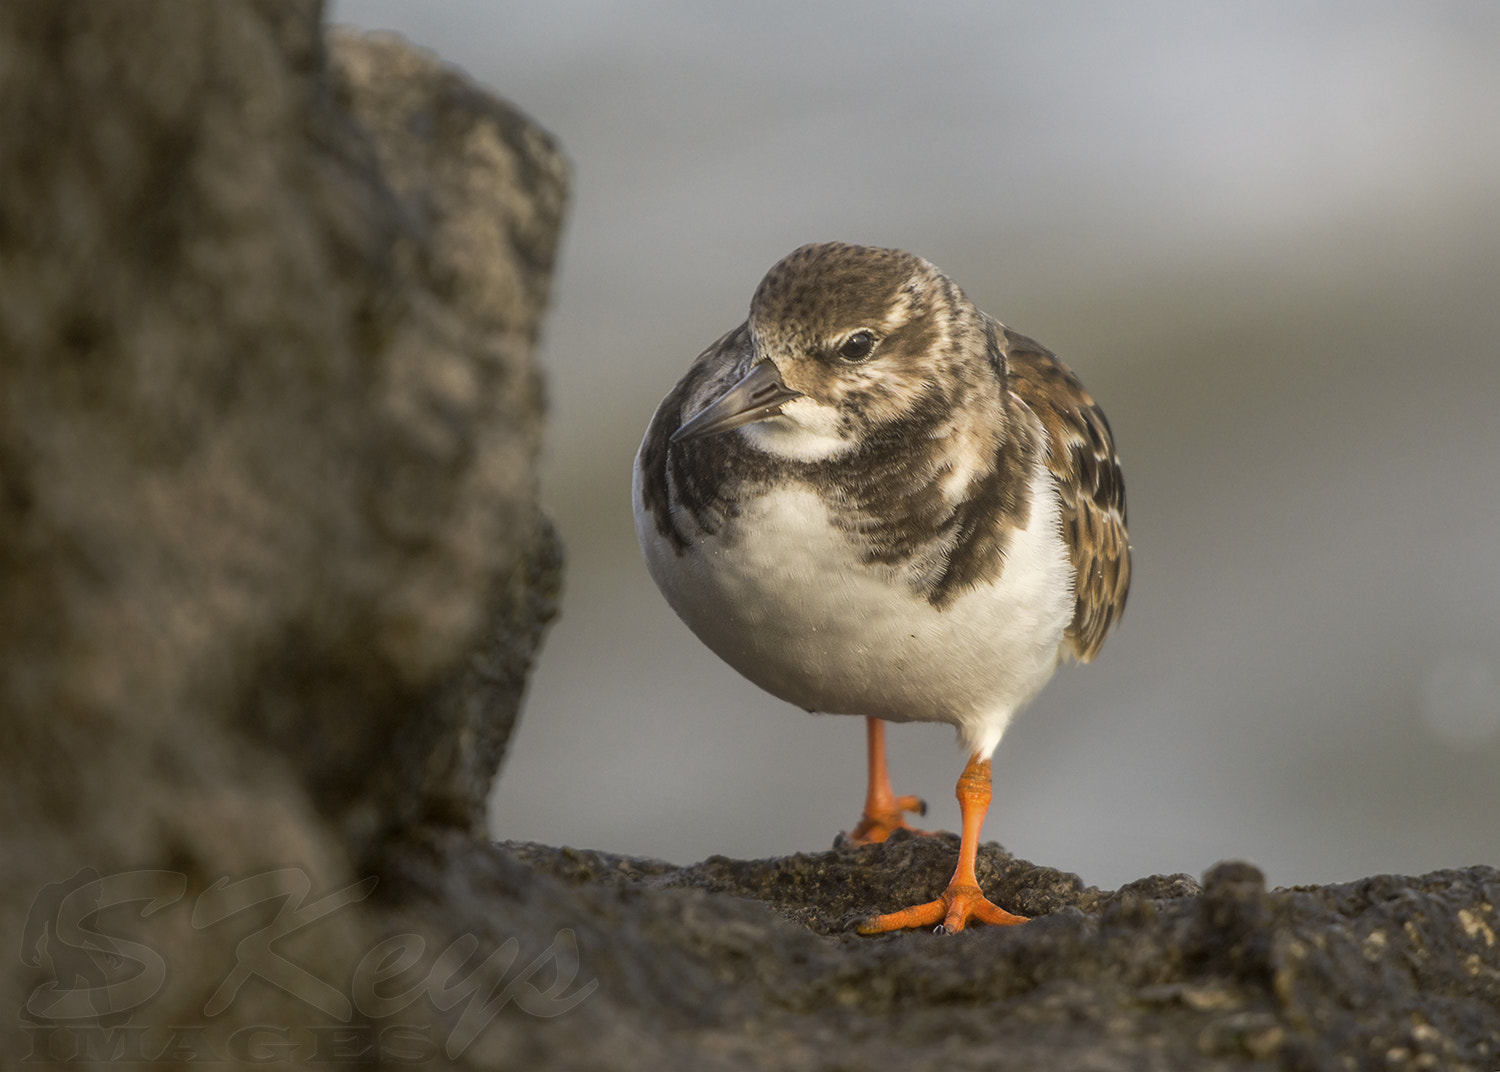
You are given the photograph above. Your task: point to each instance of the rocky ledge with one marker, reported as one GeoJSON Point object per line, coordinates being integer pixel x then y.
{"type": "Point", "coordinates": [753, 964]}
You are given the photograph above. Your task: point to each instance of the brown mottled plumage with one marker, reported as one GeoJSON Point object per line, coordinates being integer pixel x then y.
{"type": "Point", "coordinates": [871, 498]}
{"type": "Point", "coordinates": [1081, 456]}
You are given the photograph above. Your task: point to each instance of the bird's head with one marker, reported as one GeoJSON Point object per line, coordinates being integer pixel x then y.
{"type": "Point", "coordinates": [845, 341]}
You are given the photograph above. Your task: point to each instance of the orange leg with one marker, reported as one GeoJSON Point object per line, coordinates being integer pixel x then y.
{"type": "Point", "coordinates": [883, 807]}
{"type": "Point", "coordinates": [962, 900]}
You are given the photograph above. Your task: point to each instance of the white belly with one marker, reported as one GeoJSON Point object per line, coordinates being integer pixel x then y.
{"type": "Point", "coordinates": [784, 599]}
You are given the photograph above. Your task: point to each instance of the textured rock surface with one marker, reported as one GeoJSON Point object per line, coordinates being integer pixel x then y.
{"type": "Point", "coordinates": [272, 568]}
{"type": "Point", "coordinates": [750, 963]}
{"type": "Point", "coordinates": [481, 189]}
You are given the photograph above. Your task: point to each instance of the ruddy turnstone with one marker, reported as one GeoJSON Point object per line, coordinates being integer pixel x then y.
{"type": "Point", "coordinates": [871, 498]}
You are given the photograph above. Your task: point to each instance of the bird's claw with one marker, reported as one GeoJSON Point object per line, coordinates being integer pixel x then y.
{"type": "Point", "coordinates": [875, 827]}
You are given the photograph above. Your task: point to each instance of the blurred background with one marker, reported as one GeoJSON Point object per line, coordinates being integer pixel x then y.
{"type": "Point", "coordinates": [1267, 237]}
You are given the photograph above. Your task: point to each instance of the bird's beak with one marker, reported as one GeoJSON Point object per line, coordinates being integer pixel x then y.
{"type": "Point", "coordinates": [760, 394]}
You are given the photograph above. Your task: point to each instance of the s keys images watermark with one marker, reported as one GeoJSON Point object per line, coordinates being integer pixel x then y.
{"type": "Point", "coordinates": [91, 938]}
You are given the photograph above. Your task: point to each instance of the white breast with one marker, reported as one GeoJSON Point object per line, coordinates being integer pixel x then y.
{"type": "Point", "coordinates": [782, 596]}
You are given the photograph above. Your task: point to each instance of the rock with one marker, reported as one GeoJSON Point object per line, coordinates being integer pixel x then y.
{"type": "Point", "coordinates": [484, 188]}
{"type": "Point", "coordinates": [272, 566]}
{"type": "Point", "coordinates": [752, 964]}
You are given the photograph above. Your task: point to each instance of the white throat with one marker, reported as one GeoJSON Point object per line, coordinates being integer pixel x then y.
{"type": "Point", "coordinates": [805, 431]}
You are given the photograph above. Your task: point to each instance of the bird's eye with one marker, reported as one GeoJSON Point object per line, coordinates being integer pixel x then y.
{"type": "Point", "coordinates": [857, 347]}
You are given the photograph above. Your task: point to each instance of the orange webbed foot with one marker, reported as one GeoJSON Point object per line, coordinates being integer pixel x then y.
{"type": "Point", "coordinates": [956, 907]}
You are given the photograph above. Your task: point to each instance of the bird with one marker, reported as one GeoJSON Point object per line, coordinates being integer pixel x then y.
{"type": "Point", "coordinates": [871, 498]}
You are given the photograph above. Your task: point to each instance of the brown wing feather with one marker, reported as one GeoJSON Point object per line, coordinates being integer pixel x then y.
{"type": "Point", "coordinates": [1081, 456]}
